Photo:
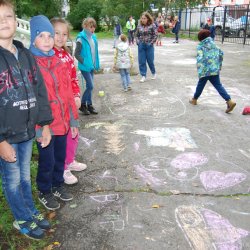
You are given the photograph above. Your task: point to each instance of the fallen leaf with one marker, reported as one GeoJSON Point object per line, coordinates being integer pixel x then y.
{"type": "Point", "coordinates": [51, 215]}
{"type": "Point", "coordinates": [156, 206]}
{"type": "Point", "coordinates": [50, 247]}
{"type": "Point", "coordinates": [56, 243]}
{"type": "Point", "coordinates": [73, 206]}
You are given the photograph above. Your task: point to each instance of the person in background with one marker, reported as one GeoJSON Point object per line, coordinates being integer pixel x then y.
{"type": "Point", "coordinates": [130, 25]}
{"type": "Point", "coordinates": [161, 31]}
{"type": "Point", "coordinates": [146, 35]}
{"type": "Point", "coordinates": [117, 32]}
{"type": "Point", "coordinates": [209, 63]}
{"type": "Point", "coordinates": [51, 160]}
{"type": "Point", "coordinates": [87, 54]}
{"type": "Point", "coordinates": [209, 26]}
{"type": "Point", "coordinates": [123, 60]}
{"type": "Point", "coordinates": [24, 103]}
{"type": "Point", "coordinates": [62, 29]}
{"type": "Point", "coordinates": [176, 29]}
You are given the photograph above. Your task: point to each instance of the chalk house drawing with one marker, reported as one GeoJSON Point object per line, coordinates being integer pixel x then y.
{"type": "Point", "coordinates": [205, 229]}
{"type": "Point", "coordinates": [177, 138]}
{"type": "Point", "coordinates": [215, 180]}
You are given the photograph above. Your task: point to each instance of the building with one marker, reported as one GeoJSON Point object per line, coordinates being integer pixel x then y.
{"type": "Point", "coordinates": [227, 2]}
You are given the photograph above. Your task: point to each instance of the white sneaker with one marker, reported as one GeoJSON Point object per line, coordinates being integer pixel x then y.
{"type": "Point", "coordinates": [76, 166]}
{"type": "Point", "coordinates": [69, 178]}
{"type": "Point", "coordinates": [143, 79]}
{"type": "Point", "coordinates": [153, 77]}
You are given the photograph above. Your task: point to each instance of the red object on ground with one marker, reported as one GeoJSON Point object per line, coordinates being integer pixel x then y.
{"type": "Point", "coordinates": [246, 111]}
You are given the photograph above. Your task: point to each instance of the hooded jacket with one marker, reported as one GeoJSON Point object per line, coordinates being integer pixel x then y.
{"type": "Point", "coordinates": [123, 56]}
{"type": "Point", "coordinates": [209, 58]}
{"type": "Point", "coordinates": [58, 84]}
{"type": "Point", "coordinates": [23, 96]}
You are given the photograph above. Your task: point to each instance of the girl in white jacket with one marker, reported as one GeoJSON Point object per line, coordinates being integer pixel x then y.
{"type": "Point", "coordinates": [123, 60]}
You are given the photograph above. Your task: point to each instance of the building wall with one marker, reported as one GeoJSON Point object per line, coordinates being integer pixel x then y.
{"type": "Point", "coordinates": [227, 2]}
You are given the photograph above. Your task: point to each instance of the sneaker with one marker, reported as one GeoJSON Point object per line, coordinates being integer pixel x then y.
{"type": "Point", "coordinates": [69, 178]}
{"type": "Point", "coordinates": [49, 201]}
{"type": "Point", "coordinates": [84, 109]}
{"type": "Point", "coordinates": [62, 193]}
{"type": "Point", "coordinates": [29, 228]}
{"type": "Point", "coordinates": [129, 88]}
{"type": "Point", "coordinates": [92, 110]}
{"type": "Point", "coordinates": [125, 90]}
{"type": "Point", "coordinates": [143, 79]}
{"type": "Point", "coordinates": [41, 221]}
{"type": "Point", "coordinates": [153, 77]}
{"type": "Point", "coordinates": [77, 166]}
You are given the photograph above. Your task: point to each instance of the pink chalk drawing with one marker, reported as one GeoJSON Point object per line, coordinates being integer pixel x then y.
{"type": "Point", "coordinates": [147, 176]}
{"type": "Point", "coordinates": [207, 230]}
{"type": "Point", "coordinates": [189, 160]}
{"type": "Point", "coordinates": [214, 180]}
{"type": "Point", "coordinates": [136, 146]}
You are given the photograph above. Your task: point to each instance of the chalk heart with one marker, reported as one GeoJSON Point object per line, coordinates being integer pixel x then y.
{"type": "Point", "coordinates": [214, 180]}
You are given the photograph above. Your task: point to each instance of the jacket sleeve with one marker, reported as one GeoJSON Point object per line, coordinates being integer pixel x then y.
{"type": "Point", "coordinates": [78, 52]}
{"type": "Point", "coordinates": [154, 33]}
{"type": "Point", "coordinates": [131, 57]}
{"type": "Point", "coordinates": [74, 80]}
{"type": "Point", "coordinates": [115, 56]}
{"type": "Point", "coordinates": [220, 57]}
{"type": "Point", "coordinates": [44, 111]}
{"type": "Point", "coordinates": [199, 57]}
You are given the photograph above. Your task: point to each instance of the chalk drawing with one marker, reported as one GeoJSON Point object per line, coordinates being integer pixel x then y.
{"type": "Point", "coordinates": [209, 137]}
{"type": "Point", "coordinates": [238, 212]}
{"type": "Point", "coordinates": [154, 92]}
{"type": "Point", "coordinates": [247, 154]}
{"type": "Point", "coordinates": [148, 177]}
{"type": "Point", "coordinates": [205, 229]}
{"type": "Point", "coordinates": [105, 198]}
{"type": "Point", "coordinates": [189, 160]}
{"type": "Point", "coordinates": [136, 146]}
{"type": "Point", "coordinates": [177, 138]}
{"type": "Point", "coordinates": [96, 125]}
{"type": "Point", "coordinates": [113, 136]}
{"type": "Point", "coordinates": [214, 180]}
{"type": "Point", "coordinates": [86, 141]}
{"type": "Point", "coordinates": [105, 176]}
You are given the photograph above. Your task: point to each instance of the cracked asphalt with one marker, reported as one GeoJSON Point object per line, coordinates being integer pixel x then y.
{"type": "Point", "coordinates": [163, 174]}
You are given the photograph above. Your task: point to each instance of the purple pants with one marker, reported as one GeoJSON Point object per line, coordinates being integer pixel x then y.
{"type": "Point", "coordinates": [71, 148]}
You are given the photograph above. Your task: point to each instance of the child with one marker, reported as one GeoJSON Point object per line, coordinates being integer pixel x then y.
{"type": "Point", "coordinates": [117, 32]}
{"type": "Point", "coordinates": [123, 60]}
{"type": "Point", "coordinates": [209, 26]}
{"type": "Point", "coordinates": [209, 63]}
{"type": "Point", "coordinates": [52, 158]}
{"type": "Point", "coordinates": [88, 60]}
{"type": "Point", "coordinates": [161, 31]}
{"type": "Point", "coordinates": [24, 103]}
{"type": "Point", "coordinates": [61, 27]}
{"type": "Point", "coordinates": [176, 29]}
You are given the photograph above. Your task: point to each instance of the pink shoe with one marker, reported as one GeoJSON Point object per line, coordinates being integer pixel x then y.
{"type": "Point", "coordinates": [69, 178]}
{"type": "Point", "coordinates": [76, 166]}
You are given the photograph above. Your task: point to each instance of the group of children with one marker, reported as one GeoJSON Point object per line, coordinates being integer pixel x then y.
{"type": "Point", "coordinates": [39, 89]}
{"type": "Point", "coordinates": [40, 97]}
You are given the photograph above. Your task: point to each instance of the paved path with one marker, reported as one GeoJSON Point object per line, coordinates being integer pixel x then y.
{"type": "Point", "coordinates": [163, 174]}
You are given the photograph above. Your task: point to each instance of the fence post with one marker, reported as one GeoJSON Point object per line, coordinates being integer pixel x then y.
{"type": "Point", "coordinates": [245, 33]}
{"type": "Point", "coordinates": [190, 16]}
{"type": "Point", "coordinates": [224, 24]}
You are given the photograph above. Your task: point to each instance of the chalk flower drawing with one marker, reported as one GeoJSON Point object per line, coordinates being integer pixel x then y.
{"type": "Point", "coordinates": [206, 230]}
{"type": "Point", "coordinates": [177, 138]}
{"type": "Point", "coordinates": [214, 180]}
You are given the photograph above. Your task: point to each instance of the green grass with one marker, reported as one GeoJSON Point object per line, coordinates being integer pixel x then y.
{"type": "Point", "coordinates": [100, 35]}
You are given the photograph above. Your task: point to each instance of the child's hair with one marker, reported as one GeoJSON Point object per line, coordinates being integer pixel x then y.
{"type": "Point", "coordinates": [89, 21]}
{"type": "Point", "coordinates": [123, 38]}
{"type": "Point", "coordinates": [148, 16]}
{"type": "Point", "coordinates": [203, 34]}
{"type": "Point", "coordinates": [8, 3]}
{"type": "Point", "coordinates": [176, 18]}
{"type": "Point", "coordinates": [55, 20]}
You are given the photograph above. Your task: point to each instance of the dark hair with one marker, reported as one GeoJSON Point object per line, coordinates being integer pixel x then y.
{"type": "Point", "coordinates": [148, 16]}
{"type": "Point", "coordinates": [203, 34]}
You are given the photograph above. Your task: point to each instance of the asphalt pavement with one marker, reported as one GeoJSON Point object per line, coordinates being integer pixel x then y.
{"type": "Point", "coordinates": [163, 174]}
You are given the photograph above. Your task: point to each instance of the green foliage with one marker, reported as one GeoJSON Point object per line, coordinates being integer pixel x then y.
{"type": "Point", "coordinates": [83, 9]}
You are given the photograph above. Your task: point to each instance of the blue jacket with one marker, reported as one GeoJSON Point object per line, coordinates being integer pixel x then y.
{"type": "Point", "coordinates": [86, 53]}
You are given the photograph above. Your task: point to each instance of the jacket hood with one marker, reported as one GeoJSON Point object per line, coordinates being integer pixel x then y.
{"type": "Point", "coordinates": [208, 43]}
{"type": "Point", "coordinates": [122, 46]}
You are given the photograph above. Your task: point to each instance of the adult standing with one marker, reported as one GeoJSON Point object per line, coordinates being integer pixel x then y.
{"type": "Point", "coordinates": [117, 32]}
{"type": "Point", "coordinates": [146, 36]}
{"type": "Point", "coordinates": [130, 25]}
{"type": "Point", "coordinates": [209, 26]}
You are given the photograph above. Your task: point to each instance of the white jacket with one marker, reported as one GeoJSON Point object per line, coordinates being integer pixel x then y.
{"type": "Point", "coordinates": [123, 56]}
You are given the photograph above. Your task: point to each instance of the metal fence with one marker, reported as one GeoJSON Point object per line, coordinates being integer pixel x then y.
{"type": "Point", "coordinates": [232, 23]}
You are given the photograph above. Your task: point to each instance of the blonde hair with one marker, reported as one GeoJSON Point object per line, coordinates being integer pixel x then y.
{"type": "Point", "coordinates": [89, 21]}
{"type": "Point", "coordinates": [56, 20]}
{"type": "Point", "coordinates": [123, 38]}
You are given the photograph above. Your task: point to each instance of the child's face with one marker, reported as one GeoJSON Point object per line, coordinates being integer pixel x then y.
{"type": "Point", "coordinates": [61, 35]}
{"type": "Point", "coordinates": [7, 22]}
{"type": "Point", "coordinates": [90, 28]}
{"type": "Point", "coordinates": [44, 42]}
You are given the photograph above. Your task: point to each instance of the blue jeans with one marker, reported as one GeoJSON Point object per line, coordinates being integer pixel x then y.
{"type": "Point", "coordinates": [125, 76]}
{"type": "Point", "coordinates": [215, 80]}
{"type": "Point", "coordinates": [51, 164]}
{"type": "Point", "coordinates": [87, 95]}
{"type": "Point", "coordinates": [16, 182]}
{"type": "Point", "coordinates": [146, 55]}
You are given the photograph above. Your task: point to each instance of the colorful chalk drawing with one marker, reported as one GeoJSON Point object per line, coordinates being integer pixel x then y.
{"type": "Point", "coordinates": [205, 229]}
{"type": "Point", "coordinates": [177, 138]}
{"type": "Point", "coordinates": [86, 141]}
{"type": "Point", "coordinates": [215, 180]}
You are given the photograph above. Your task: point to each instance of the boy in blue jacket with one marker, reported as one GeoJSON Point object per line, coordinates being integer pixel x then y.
{"type": "Point", "coordinates": [88, 60]}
